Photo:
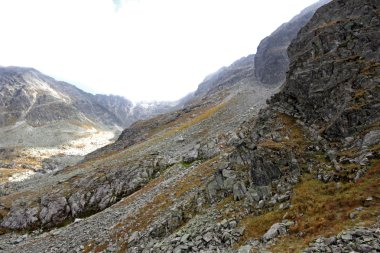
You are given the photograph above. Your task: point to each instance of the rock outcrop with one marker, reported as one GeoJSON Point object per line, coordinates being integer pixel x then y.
{"type": "Point", "coordinates": [271, 59]}
{"type": "Point", "coordinates": [333, 78]}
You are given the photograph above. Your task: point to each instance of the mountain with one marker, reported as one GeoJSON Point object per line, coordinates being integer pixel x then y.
{"type": "Point", "coordinates": [225, 84]}
{"type": "Point", "coordinates": [271, 61]}
{"type": "Point", "coordinates": [30, 99]}
{"type": "Point", "coordinates": [42, 118]}
{"type": "Point", "coordinates": [317, 142]}
{"type": "Point", "coordinates": [237, 71]}
{"type": "Point", "coordinates": [239, 168]}
{"type": "Point", "coordinates": [29, 96]}
{"type": "Point", "coordinates": [155, 154]}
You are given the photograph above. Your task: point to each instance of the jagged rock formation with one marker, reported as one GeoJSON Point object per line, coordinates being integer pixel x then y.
{"type": "Point", "coordinates": [333, 78]}
{"type": "Point", "coordinates": [327, 106]}
{"type": "Point", "coordinates": [332, 85]}
{"type": "Point", "coordinates": [271, 59]}
{"type": "Point", "coordinates": [226, 76]}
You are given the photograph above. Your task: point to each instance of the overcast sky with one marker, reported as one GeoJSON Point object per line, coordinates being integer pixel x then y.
{"type": "Point", "coordinates": [140, 49]}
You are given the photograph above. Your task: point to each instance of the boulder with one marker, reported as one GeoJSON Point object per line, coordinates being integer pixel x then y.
{"type": "Point", "coordinates": [274, 231]}
{"type": "Point", "coordinates": [54, 210]}
{"type": "Point", "coordinates": [263, 172]}
{"type": "Point", "coordinates": [20, 218]}
{"type": "Point", "coordinates": [371, 138]}
{"type": "Point", "coordinates": [252, 195]}
{"type": "Point", "coordinates": [191, 156]}
{"type": "Point", "coordinates": [239, 191]}
{"type": "Point", "coordinates": [208, 237]}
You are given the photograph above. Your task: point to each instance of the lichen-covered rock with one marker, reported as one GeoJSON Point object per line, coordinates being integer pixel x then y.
{"type": "Point", "coordinates": [274, 231]}
{"type": "Point", "coordinates": [54, 210]}
{"type": "Point", "coordinates": [239, 191]}
{"type": "Point", "coordinates": [22, 217]}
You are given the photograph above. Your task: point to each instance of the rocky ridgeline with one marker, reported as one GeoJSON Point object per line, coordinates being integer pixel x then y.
{"type": "Point", "coordinates": [27, 94]}
{"type": "Point", "coordinates": [242, 69]}
{"type": "Point", "coordinates": [271, 59]}
{"type": "Point", "coordinates": [39, 111]}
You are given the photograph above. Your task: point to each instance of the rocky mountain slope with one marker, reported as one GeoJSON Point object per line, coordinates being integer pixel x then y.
{"type": "Point", "coordinates": [29, 96]}
{"type": "Point", "coordinates": [29, 99]}
{"type": "Point", "coordinates": [228, 173]}
{"type": "Point", "coordinates": [271, 59]}
{"type": "Point", "coordinates": [48, 124]}
{"type": "Point", "coordinates": [224, 77]}
{"type": "Point", "coordinates": [151, 158]}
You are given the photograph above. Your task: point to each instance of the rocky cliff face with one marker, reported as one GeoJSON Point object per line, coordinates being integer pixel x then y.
{"type": "Point", "coordinates": [331, 93]}
{"type": "Point", "coordinates": [323, 124]}
{"type": "Point", "coordinates": [333, 79]}
{"type": "Point", "coordinates": [271, 59]}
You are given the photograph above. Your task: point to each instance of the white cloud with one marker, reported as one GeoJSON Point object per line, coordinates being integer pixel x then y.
{"type": "Point", "coordinates": [143, 50]}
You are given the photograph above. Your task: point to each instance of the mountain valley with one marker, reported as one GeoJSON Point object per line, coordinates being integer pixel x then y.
{"type": "Point", "coordinates": [278, 152]}
{"type": "Point", "coordinates": [47, 124]}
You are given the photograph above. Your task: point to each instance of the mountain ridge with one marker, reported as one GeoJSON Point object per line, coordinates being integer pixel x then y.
{"type": "Point", "coordinates": [239, 168]}
{"type": "Point", "coordinates": [271, 58]}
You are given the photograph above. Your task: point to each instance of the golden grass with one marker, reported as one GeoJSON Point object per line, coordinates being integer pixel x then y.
{"type": "Point", "coordinates": [194, 178]}
{"type": "Point", "coordinates": [256, 226]}
{"type": "Point", "coordinates": [321, 209]}
{"type": "Point", "coordinates": [296, 140]}
{"type": "Point", "coordinates": [192, 121]}
{"type": "Point", "coordinates": [160, 203]}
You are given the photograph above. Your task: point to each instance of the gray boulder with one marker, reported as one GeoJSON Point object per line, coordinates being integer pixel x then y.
{"type": "Point", "coordinates": [371, 138]}
{"type": "Point", "coordinates": [274, 231]}
{"type": "Point", "coordinates": [54, 210]}
{"type": "Point", "coordinates": [239, 191]}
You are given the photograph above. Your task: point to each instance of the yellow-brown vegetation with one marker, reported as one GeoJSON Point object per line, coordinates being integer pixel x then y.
{"type": "Point", "coordinates": [295, 141]}
{"type": "Point", "coordinates": [320, 209]}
